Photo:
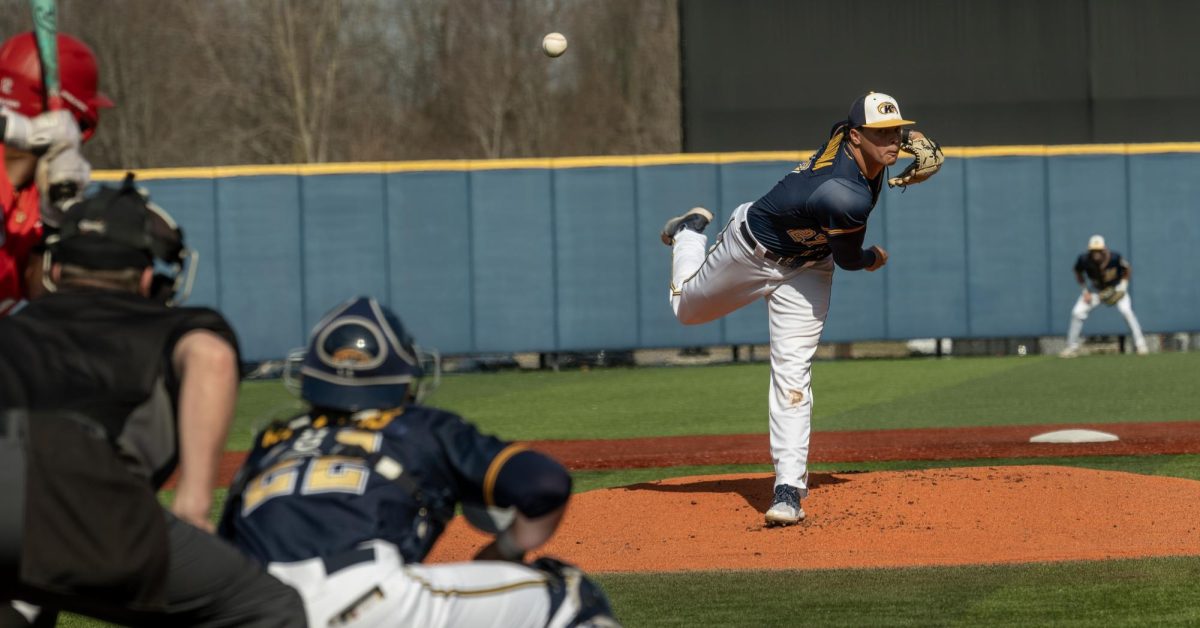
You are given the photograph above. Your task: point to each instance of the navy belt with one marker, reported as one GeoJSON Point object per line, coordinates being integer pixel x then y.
{"type": "Point", "coordinates": [338, 562]}
{"type": "Point", "coordinates": [765, 253]}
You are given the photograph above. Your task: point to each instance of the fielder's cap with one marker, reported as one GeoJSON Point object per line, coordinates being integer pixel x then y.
{"type": "Point", "coordinates": [1096, 243]}
{"type": "Point", "coordinates": [109, 230]}
{"type": "Point", "coordinates": [876, 111]}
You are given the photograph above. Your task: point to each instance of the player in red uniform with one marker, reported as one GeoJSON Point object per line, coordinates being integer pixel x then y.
{"type": "Point", "coordinates": [43, 165]}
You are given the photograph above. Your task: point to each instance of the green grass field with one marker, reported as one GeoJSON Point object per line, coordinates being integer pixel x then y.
{"type": "Point", "coordinates": [857, 394]}
{"type": "Point", "coordinates": [1152, 592]}
{"type": "Point", "coordinates": [849, 395]}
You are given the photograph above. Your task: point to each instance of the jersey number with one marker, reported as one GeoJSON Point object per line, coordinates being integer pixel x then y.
{"type": "Point", "coordinates": [324, 474]}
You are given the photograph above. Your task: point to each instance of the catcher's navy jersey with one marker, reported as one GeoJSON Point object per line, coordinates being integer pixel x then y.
{"type": "Point", "coordinates": [1107, 273]}
{"type": "Point", "coordinates": [825, 196]}
{"type": "Point", "coordinates": [318, 485]}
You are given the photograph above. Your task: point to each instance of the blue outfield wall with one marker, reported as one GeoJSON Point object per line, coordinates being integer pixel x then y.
{"type": "Point", "coordinates": [563, 254]}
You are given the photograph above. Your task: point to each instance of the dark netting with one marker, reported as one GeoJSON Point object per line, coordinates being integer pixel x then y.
{"type": "Point", "coordinates": [773, 74]}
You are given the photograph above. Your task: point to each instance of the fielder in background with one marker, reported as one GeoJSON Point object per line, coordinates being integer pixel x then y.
{"type": "Point", "coordinates": [782, 248]}
{"type": "Point", "coordinates": [43, 165]}
{"type": "Point", "coordinates": [344, 502]}
{"type": "Point", "coordinates": [104, 392]}
{"type": "Point", "coordinates": [1109, 274]}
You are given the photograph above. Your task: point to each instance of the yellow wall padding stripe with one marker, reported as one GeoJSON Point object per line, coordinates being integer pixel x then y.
{"type": "Point", "coordinates": [1073, 149]}
{"type": "Point", "coordinates": [489, 478]}
{"type": "Point", "coordinates": [616, 161]}
{"type": "Point", "coordinates": [451, 165]}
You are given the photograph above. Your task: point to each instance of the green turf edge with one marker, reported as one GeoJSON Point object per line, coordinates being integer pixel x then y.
{"type": "Point", "coordinates": [849, 395]}
{"type": "Point", "coordinates": [1185, 466]}
{"type": "Point", "coordinates": [1153, 591]}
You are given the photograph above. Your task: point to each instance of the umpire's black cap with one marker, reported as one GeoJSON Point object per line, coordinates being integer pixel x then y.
{"type": "Point", "coordinates": [110, 230]}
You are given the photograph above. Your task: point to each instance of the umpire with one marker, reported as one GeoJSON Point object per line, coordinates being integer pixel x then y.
{"type": "Point", "coordinates": [104, 391]}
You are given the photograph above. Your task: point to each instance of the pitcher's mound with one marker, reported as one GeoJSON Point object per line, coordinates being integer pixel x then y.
{"type": "Point", "coordinates": [881, 519]}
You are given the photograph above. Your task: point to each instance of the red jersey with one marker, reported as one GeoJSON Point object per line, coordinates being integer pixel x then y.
{"type": "Point", "coordinates": [21, 230]}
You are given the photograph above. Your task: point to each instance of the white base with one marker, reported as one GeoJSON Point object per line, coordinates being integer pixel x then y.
{"type": "Point", "coordinates": [1074, 436]}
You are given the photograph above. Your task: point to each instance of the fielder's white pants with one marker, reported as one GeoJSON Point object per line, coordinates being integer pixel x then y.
{"type": "Point", "coordinates": [1080, 312]}
{"type": "Point", "coordinates": [707, 286]}
{"type": "Point", "coordinates": [386, 592]}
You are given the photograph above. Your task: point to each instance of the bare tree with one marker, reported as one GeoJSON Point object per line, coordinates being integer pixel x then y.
{"type": "Point", "coordinates": [280, 81]}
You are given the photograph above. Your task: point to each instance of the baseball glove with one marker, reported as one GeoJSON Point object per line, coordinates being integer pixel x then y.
{"type": "Point", "coordinates": [927, 160]}
{"type": "Point", "coordinates": [1111, 294]}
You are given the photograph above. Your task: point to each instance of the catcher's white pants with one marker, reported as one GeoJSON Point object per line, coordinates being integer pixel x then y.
{"type": "Point", "coordinates": [1080, 312]}
{"type": "Point", "coordinates": [705, 287]}
{"type": "Point", "coordinates": [386, 592]}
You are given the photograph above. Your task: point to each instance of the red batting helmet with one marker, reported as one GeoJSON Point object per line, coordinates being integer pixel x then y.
{"type": "Point", "coordinates": [21, 79]}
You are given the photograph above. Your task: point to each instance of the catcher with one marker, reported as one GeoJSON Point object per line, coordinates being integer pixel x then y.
{"type": "Point", "coordinates": [1109, 273]}
{"type": "Point", "coordinates": [344, 501]}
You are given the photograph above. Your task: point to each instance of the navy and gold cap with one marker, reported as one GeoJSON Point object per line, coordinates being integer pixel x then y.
{"type": "Point", "coordinates": [876, 111]}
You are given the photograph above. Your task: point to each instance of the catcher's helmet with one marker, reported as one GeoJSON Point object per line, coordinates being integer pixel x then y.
{"type": "Point", "coordinates": [21, 86]}
{"type": "Point", "coordinates": [360, 357]}
{"type": "Point", "coordinates": [118, 228]}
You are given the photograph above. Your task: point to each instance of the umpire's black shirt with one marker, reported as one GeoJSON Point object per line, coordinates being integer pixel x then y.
{"type": "Point", "coordinates": [106, 355]}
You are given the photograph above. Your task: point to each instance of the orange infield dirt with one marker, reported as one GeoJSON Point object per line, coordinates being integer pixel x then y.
{"type": "Point", "coordinates": [882, 519]}
{"type": "Point", "coordinates": [966, 515]}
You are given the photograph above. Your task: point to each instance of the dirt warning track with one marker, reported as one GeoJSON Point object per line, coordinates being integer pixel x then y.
{"type": "Point", "coordinates": [854, 446]}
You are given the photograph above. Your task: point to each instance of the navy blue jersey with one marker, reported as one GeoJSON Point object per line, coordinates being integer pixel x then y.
{"type": "Point", "coordinates": [319, 485]}
{"type": "Point", "coordinates": [1107, 273]}
{"type": "Point", "coordinates": [825, 196]}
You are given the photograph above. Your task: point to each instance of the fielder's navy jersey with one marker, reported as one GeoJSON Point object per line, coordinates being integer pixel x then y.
{"type": "Point", "coordinates": [319, 485]}
{"type": "Point", "coordinates": [824, 196]}
{"type": "Point", "coordinates": [1107, 273]}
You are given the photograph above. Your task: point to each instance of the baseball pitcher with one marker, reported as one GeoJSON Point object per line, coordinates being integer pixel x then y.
{"type": "Point", "coordinates": [783, 248]}
{"type": "Point", "coordinates": [1109, 273]}
{"type": "Point", "coordinates": [344, 502]}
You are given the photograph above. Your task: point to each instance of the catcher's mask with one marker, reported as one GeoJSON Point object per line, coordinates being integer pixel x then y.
{"type": "Point", "coordinates": [118, 228]}
{"type": "Point", "coordinates": [360, 357]}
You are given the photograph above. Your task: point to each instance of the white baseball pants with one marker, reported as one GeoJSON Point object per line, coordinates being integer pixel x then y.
{"type": "Point", "coordinates": [1080, 312]}
{"type": "Point", "coordinates": [705, 287]}
{"type": "Point", "coordinates": [386, 592]}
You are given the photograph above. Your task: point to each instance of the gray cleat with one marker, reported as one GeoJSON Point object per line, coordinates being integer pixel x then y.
{"type": "Point", "coordinates": [696, 219]}
{"type": "Point", "coordinates": [786, 509]}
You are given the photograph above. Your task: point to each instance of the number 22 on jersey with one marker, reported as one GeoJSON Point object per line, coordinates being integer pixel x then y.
{"type": "Point", "coordinates": [314, 474]}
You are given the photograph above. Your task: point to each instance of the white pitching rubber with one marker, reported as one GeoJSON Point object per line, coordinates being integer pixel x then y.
{"type": "Point", "coordinates": [1074, 436]}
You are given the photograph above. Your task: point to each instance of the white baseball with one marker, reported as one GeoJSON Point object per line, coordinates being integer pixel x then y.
{"type": "Point", "coordinates": [554, 44]}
